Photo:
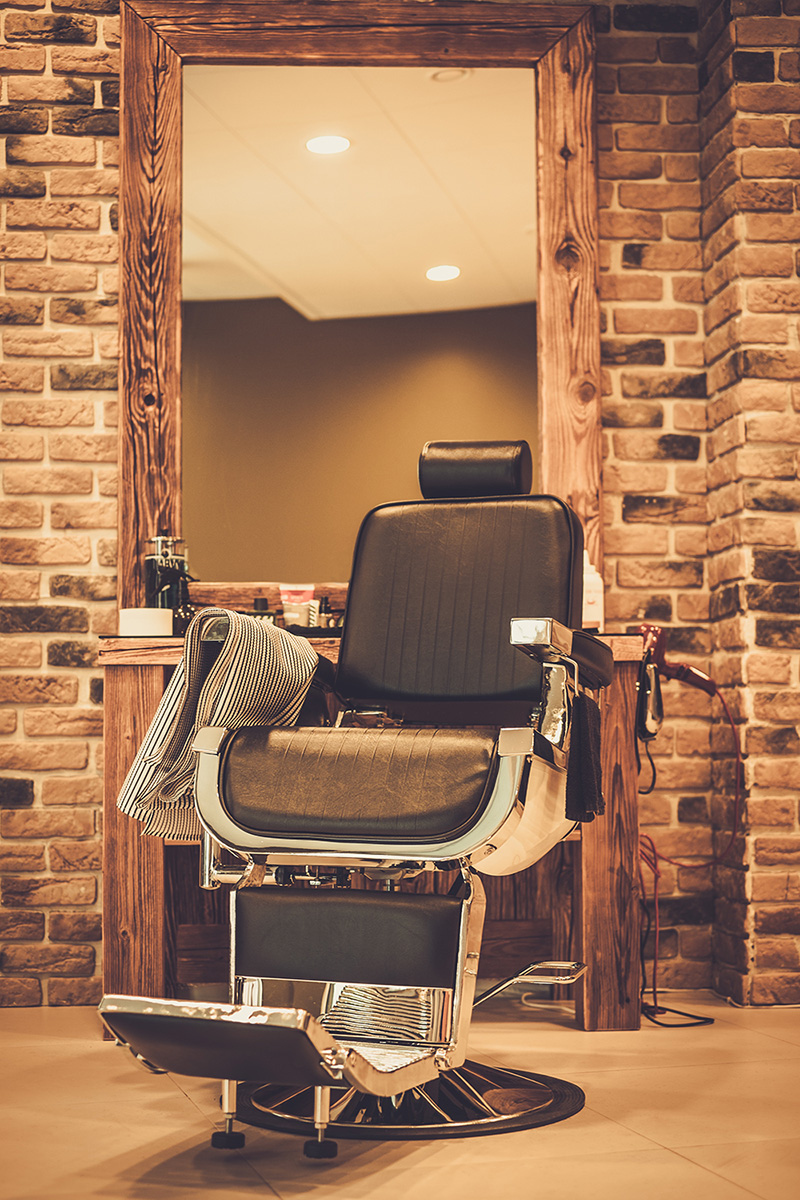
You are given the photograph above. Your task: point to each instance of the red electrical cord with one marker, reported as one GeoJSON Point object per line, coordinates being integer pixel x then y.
{"type": "Point", "coordinates": [651, 856]}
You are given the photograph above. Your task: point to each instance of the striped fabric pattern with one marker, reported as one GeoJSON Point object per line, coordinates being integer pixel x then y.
{"type": "Point", "coordinates": [260, 677]}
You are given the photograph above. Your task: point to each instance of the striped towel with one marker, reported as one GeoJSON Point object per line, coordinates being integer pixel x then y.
{"type": "Point", "coordinates": [259, 677]}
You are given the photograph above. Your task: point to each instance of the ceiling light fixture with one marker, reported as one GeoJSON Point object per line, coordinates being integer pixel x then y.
{"type": "Point", "coordinates": [442, 274]}
{"type": "Point", "coordinates": [449, 74]}
{"type": "Point", "coordinates": [328, 144]}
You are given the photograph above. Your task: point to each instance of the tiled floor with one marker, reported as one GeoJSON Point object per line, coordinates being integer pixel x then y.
{"type": "Point", "coordinates": [671, 1114]}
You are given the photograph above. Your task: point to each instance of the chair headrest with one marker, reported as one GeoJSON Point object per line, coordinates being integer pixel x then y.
{"type": "Point", "coordinates": [450, 470]}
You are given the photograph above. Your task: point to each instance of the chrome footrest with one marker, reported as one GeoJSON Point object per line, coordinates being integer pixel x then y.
{"type": "Point", "coordinates": [546, 974]}
{"type": "Point", "coordinates": [285, 1046]}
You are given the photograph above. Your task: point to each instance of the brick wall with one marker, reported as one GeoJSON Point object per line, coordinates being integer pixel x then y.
{"type": "Point", "coordinates": [699, 135]}
{"type": "Point", "coordinates": [58, 311]}
{"type": "Point", "coordinates": [750, 138]}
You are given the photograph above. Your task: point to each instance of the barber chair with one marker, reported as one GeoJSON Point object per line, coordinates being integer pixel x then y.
{"type": "Point", "coordinates": [462, 688]}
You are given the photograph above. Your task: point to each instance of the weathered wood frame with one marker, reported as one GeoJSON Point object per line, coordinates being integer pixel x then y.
{"type": "Point", "coordinates": [159, 36]}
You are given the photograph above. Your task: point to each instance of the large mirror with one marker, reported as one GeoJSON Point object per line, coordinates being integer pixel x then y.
{"type": "Point", "coordinates": [159, 41]}
{"type": "Point", "coordinates": [324, 342]}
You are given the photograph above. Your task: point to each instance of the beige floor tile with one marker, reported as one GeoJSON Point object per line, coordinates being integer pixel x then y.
{"type": "Point", "coordinates": [412, 1173]}
{"type": "Point", "coordinates": [703, 1112]}
{"type": "Point", "coordinates": [682, 1106]}
{"type": "Point", "coordinates": [770, 1169]}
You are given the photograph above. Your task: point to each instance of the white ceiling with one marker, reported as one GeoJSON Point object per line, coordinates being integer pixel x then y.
{"type": "Point", "coordinates": [437, 172]}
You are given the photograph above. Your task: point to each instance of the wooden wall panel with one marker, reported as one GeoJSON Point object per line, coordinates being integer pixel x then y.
{"type": "Point", "coordinates": [150, 286]}
{"type": "Point", "coordinates": [568, 306]}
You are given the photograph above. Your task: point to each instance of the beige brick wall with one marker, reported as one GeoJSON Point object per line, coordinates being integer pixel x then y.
{"type": "Point", "coordinates": [699, 138]}
{"type": "Point", "coordinates": [58, 312]}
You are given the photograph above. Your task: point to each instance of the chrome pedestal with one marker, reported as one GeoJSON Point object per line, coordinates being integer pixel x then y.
{"type": "Point", "coordinates": [470, 1101]}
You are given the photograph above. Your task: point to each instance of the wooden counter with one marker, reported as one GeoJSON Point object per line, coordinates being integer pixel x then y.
{"type": "Point", "coordinates": [150, 889]}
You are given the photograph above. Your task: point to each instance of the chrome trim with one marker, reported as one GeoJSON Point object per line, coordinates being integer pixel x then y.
{"type": "Point", "coordinates": [358, 1011]}
{"type": "Point", "coordinates": [470, 934]}
{"type": "Point", "coordinates": [213, 873]}
{"type": "Point", "coordinates": [543, 638]}
{"type": "Point", "coordinates": [543, 973]}
{"type": "Point", "coordinates": [555, 713]}
{"type": "Point", "coordinates": [356, 1068]}
{"type": "Point", "coordinates": [215, 819]}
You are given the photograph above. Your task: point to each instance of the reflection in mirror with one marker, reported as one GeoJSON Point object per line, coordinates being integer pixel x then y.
{"type": "Point", "coordinates": [318, 358]}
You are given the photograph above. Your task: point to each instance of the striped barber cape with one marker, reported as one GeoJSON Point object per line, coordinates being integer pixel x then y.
{"type": "Point", "coordinates": [235, 671]}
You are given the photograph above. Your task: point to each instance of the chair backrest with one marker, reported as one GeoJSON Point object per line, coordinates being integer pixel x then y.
{"type": "Point", "coordinates": [434, 586]}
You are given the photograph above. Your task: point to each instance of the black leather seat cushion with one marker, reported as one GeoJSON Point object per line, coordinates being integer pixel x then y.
{"type": "Point", "coordinates": [373, 785]}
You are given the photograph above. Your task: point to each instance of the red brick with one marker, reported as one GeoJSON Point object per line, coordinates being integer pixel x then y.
{"type": "Point", "coordinates": [48, 343]}
{"type": "Point", "coordinates": [81, 182]}
{"type": "Point", "coordinates": [647, 572]}
{"type": "Point", "coordinates": [44, 550]}
{"type": "Point", "coordinates": [774, 297]}
{"type": "Point", "coordinates": [52, 214]}
{"type": "Point", "coordinates": [754, 131]}
{"type": "Point", "coordinates": [683, 226]}
{"type": "Point", "coordinates": [72, 790]}
{"type": "Point", "coordinates": [671, 258]}
{"type": "Point", "coordinates": [768, 97]}
{"type": "Point", "coordinates": [48, 412]}
{"type": "Point", "coordinates": [22, 58]}
{"type": "Point", "coordinates": [50, 150]}
{"type": "Point", "coordinates": [20, 585]}
{"type": "Point", "coordinates": [84, 60]}
{"type": "Point", "coordinates": [49, 960]}
{"type": "Point", "coordinates": [630, 226]}
{"type": "Point", "coordinates": [655, 320]}
{"type": "Point", "coordinates": [103, 248]}
{"type": "Point", "coordinates": [21, 447]}
{"type": "Point", "coordinates": [76, 447]}
{"type": "Point", "coordinates": [76, 856]}
{"type": "Point", "coordinates": [23, 245]}
{"type": "Point", "coordinates": [28, 480]}
{"type": "Point", "coordinates": [28, 277]}
{"type": "Point", "coordinates": [46, 823]}
{"type": "Point", "coordinates": [765, 260]}
{"type": "Point", "coordinates": [46, 892]}
{"type": "Point", "coordinates": [629, 108]}
{"type": "Point", "coordinates": [682, 110]}
{"type": "Point", "coordinates": [682, 167]}
{"type": "Point", "coordinates": [20, 652]}
{"type": "Point", "coordinates": [631, 287]}
{"type": "Point", "coordinates": [81, 992]}
{"type": "Point", "coordinates": [667, 80]}
{"type": "Point", "coordinates": [770, 330]}
{"type": "Point", "coordinates": [687, 289]}
{"type": "Point", "coordinates": [659, 196]}
{"type": "Point", "coordinates": [20, 377]}
{"type": "Point", "coordinates": [72, 722]}
{"type": "Point", "coordinates": [20, 993]}
{"type": "Point", "coordinates": [43, 756]}
{"type": "Point", "coordinates": [767, 31]}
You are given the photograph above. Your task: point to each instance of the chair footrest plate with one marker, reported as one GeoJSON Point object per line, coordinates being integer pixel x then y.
{"type": "Point", "coordinates": [286, 1046]}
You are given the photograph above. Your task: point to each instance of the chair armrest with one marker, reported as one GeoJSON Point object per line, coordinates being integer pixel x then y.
{"type": "Point", "coordinates": [547, 640]}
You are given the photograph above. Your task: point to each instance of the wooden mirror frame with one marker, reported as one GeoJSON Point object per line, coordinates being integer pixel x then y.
{"type": "Point", "coordinates": [159, 36]}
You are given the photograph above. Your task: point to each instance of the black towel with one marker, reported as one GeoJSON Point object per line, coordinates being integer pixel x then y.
{"type": "Point", "coordinates": [584, 774]}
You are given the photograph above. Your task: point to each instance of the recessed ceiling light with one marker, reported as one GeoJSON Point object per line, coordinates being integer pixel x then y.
{"type": "Point", "coordinates": [442, 274]}
{"type": "Point", "coordinates": [328, 144]}
{"type": "Point", "coordinates": [449, 74]}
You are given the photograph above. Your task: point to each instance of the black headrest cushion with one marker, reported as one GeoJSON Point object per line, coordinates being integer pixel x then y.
{"type": "Point", "coordinates": [449, 470]}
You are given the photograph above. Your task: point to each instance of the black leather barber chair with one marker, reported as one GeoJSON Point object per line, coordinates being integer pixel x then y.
{"type": "Point", "coordinates": [463, 680]}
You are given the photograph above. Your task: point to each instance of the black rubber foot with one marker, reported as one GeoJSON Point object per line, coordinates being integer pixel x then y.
{"type": "Point", "coordinates": [315, 1149]}
{"type": "Point", "coordinates": [221, 1140]}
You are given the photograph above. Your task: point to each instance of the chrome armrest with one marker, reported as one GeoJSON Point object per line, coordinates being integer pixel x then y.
{"type": "Point", "coordinates": [548, 641]}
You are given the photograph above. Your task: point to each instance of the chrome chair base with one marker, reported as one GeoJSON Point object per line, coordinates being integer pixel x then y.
{"type": "Point", "coordinates": [470, 1101]}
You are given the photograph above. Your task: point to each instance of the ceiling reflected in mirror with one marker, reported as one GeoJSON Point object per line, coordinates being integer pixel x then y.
{"type": "Point", "coordinates": [440, 169]}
